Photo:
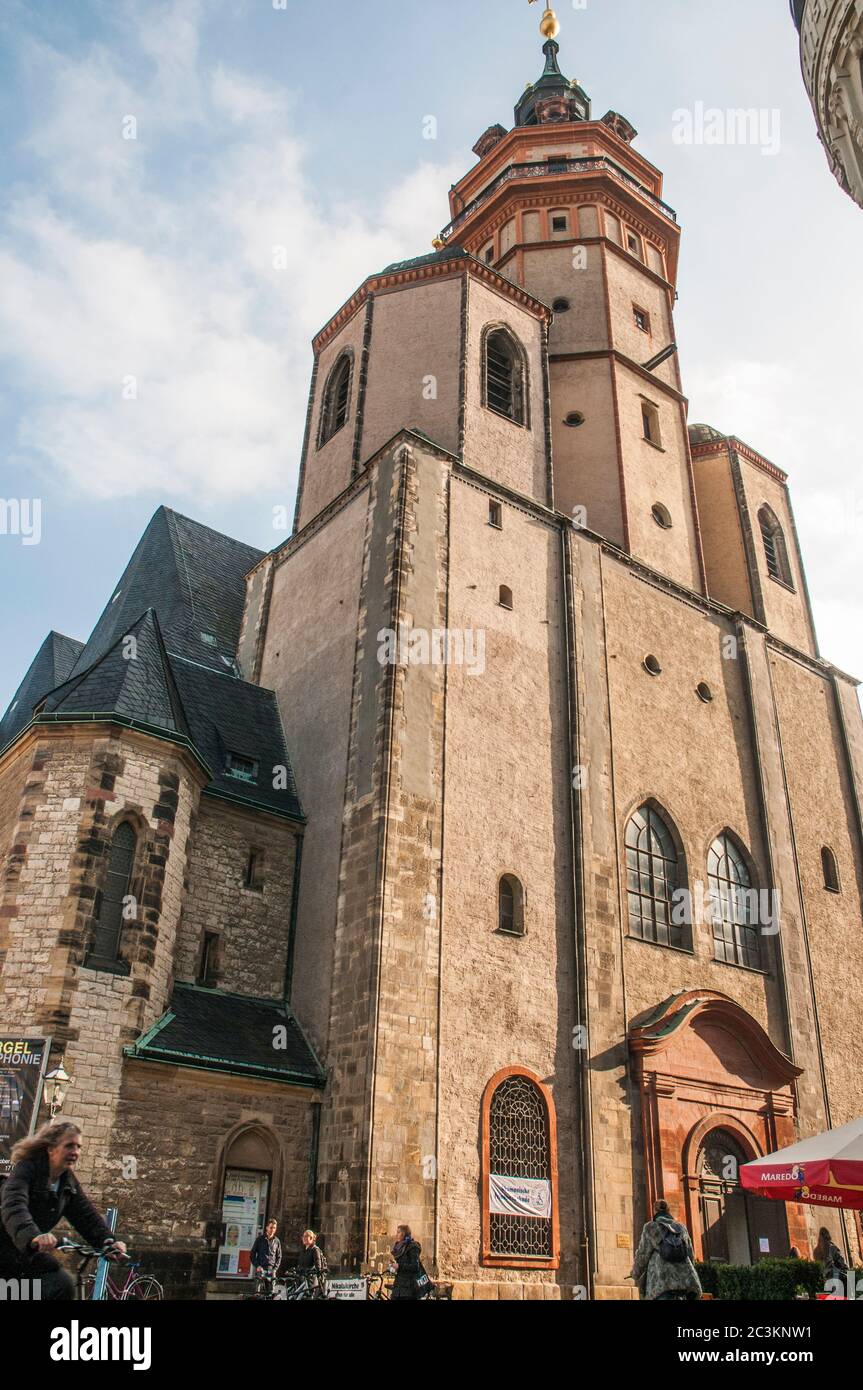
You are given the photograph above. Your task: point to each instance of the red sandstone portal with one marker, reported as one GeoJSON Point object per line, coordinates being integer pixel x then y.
{"type": "Point", "coordinates": [715, 1091]}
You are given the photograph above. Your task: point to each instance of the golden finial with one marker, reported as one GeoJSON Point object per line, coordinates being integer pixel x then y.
{"type": "Point", "coordinates": [549, 25]}
{"type": "Point", "coordinates": [438, 243]}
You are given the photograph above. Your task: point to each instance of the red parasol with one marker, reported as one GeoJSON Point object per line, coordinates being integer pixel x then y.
{"type": "Point", "coordinates": [826, 1171]}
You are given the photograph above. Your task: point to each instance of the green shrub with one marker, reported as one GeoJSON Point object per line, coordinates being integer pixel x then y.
{"type": "Point", "coordinates": [770, 1281]}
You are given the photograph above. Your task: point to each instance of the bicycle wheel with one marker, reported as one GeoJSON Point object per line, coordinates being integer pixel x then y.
{"type": "Point", "coordinates": [144, 1289]}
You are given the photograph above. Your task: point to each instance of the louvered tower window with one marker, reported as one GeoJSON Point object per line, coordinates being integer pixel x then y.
{"type": "Point", "coordinates": [504, 376]}
{"type": "Point", "coordinates": [334, 411]}
{"type": "Point", "coordinates": [775, 549]}
{"type": "Point", "coordinates": [121, 858]}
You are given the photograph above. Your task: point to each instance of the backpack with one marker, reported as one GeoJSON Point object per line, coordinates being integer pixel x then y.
{"type": "Point", "coordinates": [672, 1246]}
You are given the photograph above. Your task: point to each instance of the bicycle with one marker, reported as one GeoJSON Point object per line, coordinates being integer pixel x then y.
{"type": "Point", "coordinates": [137, 1287]}
{"type": "Point", "coordinates": [270, 1289]}
{"type": "Point", "coordinates": [379, 1288]}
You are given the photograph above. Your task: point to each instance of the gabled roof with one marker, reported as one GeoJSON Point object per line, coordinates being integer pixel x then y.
{"type": "Point", "coordinates": [194, 577]}
{"type": "Point", "coordinates": [132, 679]}
{"type": "Point", "coordinates": [231, 1033]}
{"type": "Point", "coordinates": [51, 665]}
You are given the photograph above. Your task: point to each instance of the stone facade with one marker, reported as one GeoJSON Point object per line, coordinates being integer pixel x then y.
{"type": "Point", "coordinates": [831, 51]}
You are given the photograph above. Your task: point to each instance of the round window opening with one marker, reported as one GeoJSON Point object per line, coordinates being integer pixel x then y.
{"type": "Point", "coordinates": [561, 306]}
{"type": "Point", "coordinates": [662, 516]}
{"type": "Point", "coordinates": [652, 666]}
{"type": "Point", "coordinates": [704, 692]}
{"type": "Point", "coordinates": [574, 419]}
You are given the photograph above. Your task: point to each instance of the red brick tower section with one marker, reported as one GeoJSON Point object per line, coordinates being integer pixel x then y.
{"type": "Point", "coordinates": [565, 207]}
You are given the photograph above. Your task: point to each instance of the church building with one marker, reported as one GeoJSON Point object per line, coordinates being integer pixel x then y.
{"type": "Point", "coordinates": [487, 857]}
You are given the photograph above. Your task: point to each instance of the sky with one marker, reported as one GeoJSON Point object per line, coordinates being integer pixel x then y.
{"type": "Point", "coordinates": [154, 349]}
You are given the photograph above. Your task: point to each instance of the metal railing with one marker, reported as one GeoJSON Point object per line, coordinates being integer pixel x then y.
{"type": "Point", "coordinates": [547, 168]}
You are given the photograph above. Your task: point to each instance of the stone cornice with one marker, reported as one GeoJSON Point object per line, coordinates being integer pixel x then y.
{"type": "Point", "coordinates": [716, 446]}
{"type": "Point", "coordinates": [451, 268]}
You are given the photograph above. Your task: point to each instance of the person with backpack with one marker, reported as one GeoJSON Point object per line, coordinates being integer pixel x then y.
{"type": "Point", "coordinates": [664, 1266]}
{"type": "Point", "coordinates": [313, 1264]}
{"type": "Point", "coordinates": [411, 1281]}
{"type": "Point", "coordinates": [830, 1256]}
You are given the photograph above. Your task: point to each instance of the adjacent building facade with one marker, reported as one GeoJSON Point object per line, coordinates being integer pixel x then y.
{"type": "Point", "coordinates": [831, 51]}
{"type": "Point", "coordinates": [486, 851]}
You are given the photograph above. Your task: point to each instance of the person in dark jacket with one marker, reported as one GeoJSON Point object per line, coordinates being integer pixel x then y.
{"type": "Point", "coordinates": [658, 1277]}
{"type": "Point", "coordinates": [831, 1257]}
{"type": "Point", "coordinates": [40, 1191]}
{"type": "Point", "coordinates": [267, 1251]}
{"type": "Point", "coordinates": [408, 1265]}
{"type": "Point", "coordinates": [313, 1264]}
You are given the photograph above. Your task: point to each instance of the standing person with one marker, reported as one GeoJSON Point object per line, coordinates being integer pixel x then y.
{"type": "Point", "coordinates": [830, 1256]}
{"type": "Point", "coordinates": [40, 1191]}
{"type": "Point", "coordinates": [313, 1264]}
{"type": "Point", "coordinates": [267, 1252]}
{"type": "Point", "coordinates": [411, 1280]}
{"type": "Point", "coordinates": [664, 1266]}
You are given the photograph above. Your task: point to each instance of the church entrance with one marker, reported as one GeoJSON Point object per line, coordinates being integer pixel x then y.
{"type": "Point", "coordinates": [737, 1227]}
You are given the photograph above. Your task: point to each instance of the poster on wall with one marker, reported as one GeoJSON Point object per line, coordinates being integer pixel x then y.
{"type": "Point", "coordinates": [22, 1066]}
{"type": "Point", "coordinates": [520, 1197]}
{"type": "Point", "coordinates": [244, 1207]}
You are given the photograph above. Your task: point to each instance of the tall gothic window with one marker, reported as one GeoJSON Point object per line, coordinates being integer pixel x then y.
{"type": "Point", "coordinates": [733, 905]}
{"type": "Point", "coordinates": [505, 385]}
{"type": "Point", "coordinates": [519, 1172]}
{"type": "Point", "coordinates": [775, 549]}
{"type": "Point", "coordinates": [109, 924]}
{"type": "Point", "coordinates": [652, 879]}
{"type": "Point", "coordinates": [337, 393]}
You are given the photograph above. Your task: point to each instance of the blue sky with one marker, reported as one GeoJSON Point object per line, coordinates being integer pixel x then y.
{"type": "Point", "coordinates": [145, 266]}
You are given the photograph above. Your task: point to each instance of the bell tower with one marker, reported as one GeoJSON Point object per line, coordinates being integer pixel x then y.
{"type": "Point", "coordinates": [564, 206]}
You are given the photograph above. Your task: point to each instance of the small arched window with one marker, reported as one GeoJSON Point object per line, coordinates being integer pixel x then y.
{"type": "Point", "coordinates": [830, 869]}
{"type": "Point", "coordinates": [505, 597]}
{"type": "Point", "coordinates": [775, 549]}
{"type": "Point", "coordinates": [520, 1220]}
{"type": "Point", "coordinates": [337, 394]}
{"type": "Point", "coordinates": [733, 905]}
{"type": "Point", "coordinates": [652, 880]}
{"type": "Point", "coordinates": [510, 906]}
{"type": "Point", "coordinates": [115, 891]}
{"type": "Point", "coordinates": [504, 376]}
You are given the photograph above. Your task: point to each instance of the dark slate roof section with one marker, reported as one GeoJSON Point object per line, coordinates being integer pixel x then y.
{"type": "Point", "coordinates": [51, 666]}
{"type": "Point", "coordinates": [230, 1033]}
{"type": "Point", "coordinates": [227, 715]}
{"type": "Point", "coordinates": [450, 253]}
{"type": "Point", "coordinates": [195, 579]}
{"type": "Point", "coordinates": [133, 680]}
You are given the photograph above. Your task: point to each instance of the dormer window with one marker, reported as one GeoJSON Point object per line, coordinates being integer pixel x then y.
{"type": "Point", "coordinates": [241, 768]}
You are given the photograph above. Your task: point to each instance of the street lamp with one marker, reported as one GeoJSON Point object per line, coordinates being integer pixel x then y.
{"type": "Point", "coordinates": [56, 1082]}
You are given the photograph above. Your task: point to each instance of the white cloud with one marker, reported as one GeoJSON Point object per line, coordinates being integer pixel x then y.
{"type": "Point", "coordinates": [153, 259]}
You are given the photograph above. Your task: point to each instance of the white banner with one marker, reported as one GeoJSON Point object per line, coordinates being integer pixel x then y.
{"type": "Point", "coordinates": [520, 1197]}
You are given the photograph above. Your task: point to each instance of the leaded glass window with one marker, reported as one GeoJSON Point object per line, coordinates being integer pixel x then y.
{"type": "Point", "coordinates": [106, 945]}
{"type": "Point", "coordinates": [775, 549]}
{"type": "Point", "coordinates": [520, 1147]}
{"type": "Point", "coordinates": [733, 905]}
{"type": "Point", "coordinates": [652, 879]}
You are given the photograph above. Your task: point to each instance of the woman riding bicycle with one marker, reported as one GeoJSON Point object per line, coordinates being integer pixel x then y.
{"type": "Point", "coordinates": [40, 1191]}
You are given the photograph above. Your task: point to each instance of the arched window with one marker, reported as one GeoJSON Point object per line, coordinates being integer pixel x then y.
{"type": "Point", "coordinates": [337, 394]}
{"type": "Point", "coordinates": [510, 906]}
{"type": "Point", "coordinates": [504, 376]}
{"type": "Point", "coordinates": [520, 1223]}
{"type": "Point", "coordinates": [505, 596]}
{"type": "Point", "coordinates": [775, 549]}
{"type": "Point", "coordinates": [831, 870]}
{"type": "Point", "coordinates": [109, 922]}
{"type": "Point", "coordinates": [733, 1221]}
{"type": "Point", "coordinates": [733, 906]}
{"type": "Point", "coordinates": [652, 879]}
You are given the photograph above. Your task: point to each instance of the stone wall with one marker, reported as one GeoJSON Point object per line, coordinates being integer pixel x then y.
{"type": "Point", "coordinates": [252, 923]}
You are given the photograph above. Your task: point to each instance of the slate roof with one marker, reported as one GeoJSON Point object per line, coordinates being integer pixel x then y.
{"type": "Point", "coordinates": [195, 579]}
{"type": "Point", "coordinates": [51, 665]}
{"type": "Point", "coordinates": [134, 681]}
{"type": "Point", "coordinates": [230, 1033]}
{"type": "Point", "coordinates": [449, 253]}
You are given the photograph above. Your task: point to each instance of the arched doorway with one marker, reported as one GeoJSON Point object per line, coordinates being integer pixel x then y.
{"type": "Point", "coordinates": [737, 1227]}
